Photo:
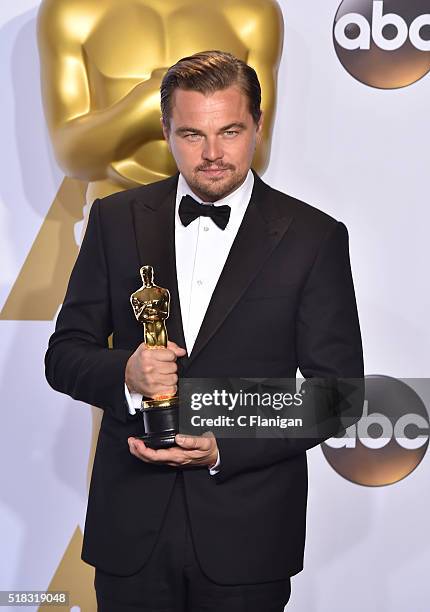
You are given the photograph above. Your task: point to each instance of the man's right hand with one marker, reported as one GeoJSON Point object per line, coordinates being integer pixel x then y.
{"type": "Point", "coordinates": [153, 371]}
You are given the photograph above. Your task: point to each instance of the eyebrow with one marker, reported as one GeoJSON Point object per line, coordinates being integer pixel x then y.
{"type": "Point", "coordinates": [185, 129]}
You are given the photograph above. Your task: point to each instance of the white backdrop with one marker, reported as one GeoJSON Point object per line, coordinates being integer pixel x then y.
{"type": "Point", "coordinates": [356, 152]}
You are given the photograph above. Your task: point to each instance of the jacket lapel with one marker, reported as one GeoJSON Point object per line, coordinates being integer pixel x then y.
{"type": "Point", "coordinates": [154, 224]}
{"type": "Point", "coordinates": [263, 226]}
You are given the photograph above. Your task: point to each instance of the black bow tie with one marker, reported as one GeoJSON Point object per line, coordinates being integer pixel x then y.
{"type": "Point", "coordinates": [189, 210]}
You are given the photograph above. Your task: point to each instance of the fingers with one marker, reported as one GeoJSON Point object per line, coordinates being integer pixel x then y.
{"type": "Point", "coordinates": [193, 450]}
{"type": "Point", "coordinates": [178, 350]}
{"type": "Point", "coordinates": [163, 354]}
{"type": "Point", "coordinates": [169, 456]}
{"type": "Point", "coordinates": [153, 372]}
{"type": "Point", "coordinates": [160, 391]}
{"type": "Point", "coordinates": [202, 443]}
{"type": "Point", "coordinates": [166, 380]}
{"type": "Point", "coordinates": [167, 368]}
{"type": "Point", "coordinates": [161, 384]}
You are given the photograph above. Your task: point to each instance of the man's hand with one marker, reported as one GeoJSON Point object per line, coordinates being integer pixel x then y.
{"type": "Point", "coordinates": [153, 371]}
{"type": "Point", "coordinates": [192, 451]}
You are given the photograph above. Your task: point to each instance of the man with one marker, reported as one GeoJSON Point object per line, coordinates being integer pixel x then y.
{"type": "Point", "coordinates": [261, 288]}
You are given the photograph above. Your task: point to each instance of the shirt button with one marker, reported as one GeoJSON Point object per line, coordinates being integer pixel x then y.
{"type": "Point", "coordinates": [200, 283]}
{"type": "Point", "coordinates": [206, 229]}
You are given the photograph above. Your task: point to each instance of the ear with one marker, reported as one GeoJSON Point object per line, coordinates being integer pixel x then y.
{"type": "Point", "coordinates": [166, 132]}
{"type": "Point", "coordinates": [259, 132]}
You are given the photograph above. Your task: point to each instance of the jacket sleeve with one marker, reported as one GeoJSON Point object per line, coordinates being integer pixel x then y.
{"type": "Point", "coordinates": [330, 358]}
{"type": "Point", "coordinates": [78, 361]}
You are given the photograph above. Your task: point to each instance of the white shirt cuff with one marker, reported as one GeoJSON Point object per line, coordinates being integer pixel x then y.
{"type": "Point", "coordinates": [216, 468]}
{"type": "Point", "coordinates": [134, 400]}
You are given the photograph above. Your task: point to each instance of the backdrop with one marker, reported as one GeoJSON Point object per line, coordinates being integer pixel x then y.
{"type": "Point", "coordinates": [354, 150]}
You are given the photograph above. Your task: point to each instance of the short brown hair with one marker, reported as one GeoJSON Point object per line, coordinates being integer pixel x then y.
{"type": "Point", "coordinates": [207, 72]}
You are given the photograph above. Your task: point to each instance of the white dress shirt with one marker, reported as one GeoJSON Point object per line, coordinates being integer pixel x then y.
{"type": "Point", "coordinates": [201, 252]}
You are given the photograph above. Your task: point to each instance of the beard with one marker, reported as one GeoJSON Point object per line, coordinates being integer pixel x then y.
{"type": "Point", "coordinates": [212, 188]}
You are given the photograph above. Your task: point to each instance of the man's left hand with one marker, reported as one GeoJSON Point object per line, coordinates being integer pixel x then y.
{"type": "Point", "coordinates": [191, 451]}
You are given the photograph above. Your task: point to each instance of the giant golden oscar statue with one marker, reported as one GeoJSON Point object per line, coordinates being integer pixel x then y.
{"type": "Point", "coordinates": [102, 62]}
{"type": "Point", "coordinates": [102, 65]}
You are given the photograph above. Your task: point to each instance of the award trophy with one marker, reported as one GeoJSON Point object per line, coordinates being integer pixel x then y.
{"type": "Point", "coordinates": [151, 308]}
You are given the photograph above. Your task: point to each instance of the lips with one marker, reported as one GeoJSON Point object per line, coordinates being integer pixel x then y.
{"type": "Point", "coordinates": [214, 171]}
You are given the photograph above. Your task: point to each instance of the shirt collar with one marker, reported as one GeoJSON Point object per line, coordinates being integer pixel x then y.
{"type": "Point", "coordinates": [238, 200]}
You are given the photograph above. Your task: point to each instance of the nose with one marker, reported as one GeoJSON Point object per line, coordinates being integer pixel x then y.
{"type": "Point", "coordinates": [212, 150]}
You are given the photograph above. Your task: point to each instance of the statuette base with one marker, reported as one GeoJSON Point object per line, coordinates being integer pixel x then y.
{"type": "Point", "coordinates": [160, 419]}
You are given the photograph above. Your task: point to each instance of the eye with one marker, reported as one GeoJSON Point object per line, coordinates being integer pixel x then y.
{"type": "Point", "coordinates": [231, 133]}
{"type": "Point", "coordinates": [193, 137]}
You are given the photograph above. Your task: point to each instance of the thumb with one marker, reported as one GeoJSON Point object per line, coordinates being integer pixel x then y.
{"type": "Point", "coordinates": [186, 441]}
{"type": "Point", "coordinates": [178, 350]}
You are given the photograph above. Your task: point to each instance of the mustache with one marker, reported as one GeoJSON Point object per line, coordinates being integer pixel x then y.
{"type": "Point", "coordinates": [203, 167]}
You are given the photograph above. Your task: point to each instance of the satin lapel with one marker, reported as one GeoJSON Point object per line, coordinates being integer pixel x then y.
{"type": "Point", "coordinates": [263, 226]}
{"type": "Point", "coordinates": [154, 221]}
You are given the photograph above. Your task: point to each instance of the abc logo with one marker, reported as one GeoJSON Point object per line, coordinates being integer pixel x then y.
{"type": "Point", "coordinates": [388, 442]}
{"type": "Point", "coordinates": [384, 43]}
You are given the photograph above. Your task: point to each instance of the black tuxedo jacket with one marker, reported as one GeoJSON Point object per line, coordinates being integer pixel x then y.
{"type": "Point", "coordinates": [284, 300]}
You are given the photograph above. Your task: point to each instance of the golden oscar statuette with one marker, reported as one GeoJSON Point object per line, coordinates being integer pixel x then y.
{"type": "Point", "coordinates": [150, 305]}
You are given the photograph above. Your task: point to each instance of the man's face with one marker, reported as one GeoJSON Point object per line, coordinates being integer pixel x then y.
{"type": "Point", "coordinates": [212, 138]}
